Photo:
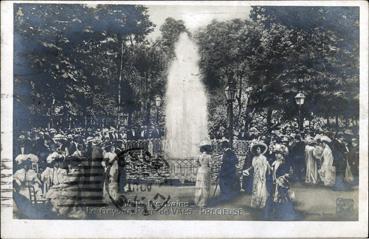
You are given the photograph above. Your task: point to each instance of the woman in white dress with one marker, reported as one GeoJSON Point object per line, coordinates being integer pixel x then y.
{"type": "Point", "coordinates": [202, 189]}
{"type": "Point", "coordinates": [327, 172]}
{"type": "Point", "coordinates": [261, 170]}
{"type": "Point", "coordinates": [110, 164]}
{"type": "Point", "coordinates": [311, 176]}
{"type": "Point", "coordinates": [26, 178]}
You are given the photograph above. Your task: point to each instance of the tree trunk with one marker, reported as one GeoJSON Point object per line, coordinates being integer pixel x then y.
{"type": "Point", "coordinates": [239, 99]}
{"type": "Point", "coordinates": [120, 73]}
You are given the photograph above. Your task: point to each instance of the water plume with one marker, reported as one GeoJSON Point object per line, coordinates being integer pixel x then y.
{"type": "Point", "coordinates": [186, 107]}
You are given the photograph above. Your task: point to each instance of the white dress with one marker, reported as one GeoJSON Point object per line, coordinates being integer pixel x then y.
{"type": "Point", "coordinates": [259, 188]}
{"type": "Point", "coordinates": [311, 176]}
{"type": "Point", "coordinates": [111, 182]}
{"type": "Point", "coordinates": [327, 172]}
{"type": "Point", "coordinates": [202, 189]}
{"type": "Point", "coordinates": [25, 180]}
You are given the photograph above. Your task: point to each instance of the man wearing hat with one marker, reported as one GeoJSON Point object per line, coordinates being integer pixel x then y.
{"type": "Point", "coordinates": [339, 150]}
{"type": "Point", "coordinates": [229, 181]}
{"type": "Point", "coordinates": [297, 158]}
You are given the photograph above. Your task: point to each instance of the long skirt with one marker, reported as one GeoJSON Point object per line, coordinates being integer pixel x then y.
{"type": "Point", "coordinates": [202, 189]}
{"type": "Point", "coordinates": [259, 193]}
{"type": "Point", "coordinates": [328, 175]}
{"type": "Point", "coordinates": [311, 171]}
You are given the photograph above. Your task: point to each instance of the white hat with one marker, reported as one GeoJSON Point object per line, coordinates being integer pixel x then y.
{"type": "Point", "coordinates": [205, 143]}
{"type": "Point", "coordinates": [20, 158]}
{"type": "Point", "coordinates": [52, 157]}
{"type": "Point", "coordinates": [33, 158]}
{"type": "Point", "coordinates": [280, 148]}
{"type": "Point", "coordinates": [326, 139]}
{"type": "Point", "coordinates": [260, 144]}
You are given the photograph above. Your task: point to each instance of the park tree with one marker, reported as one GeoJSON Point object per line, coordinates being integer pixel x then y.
{"type": "Point", "coordinates": [279, 52]}
{"type": "Point", "coordinates": [325, 44]}
{"type": "Point", "coordinates": [84, 52]}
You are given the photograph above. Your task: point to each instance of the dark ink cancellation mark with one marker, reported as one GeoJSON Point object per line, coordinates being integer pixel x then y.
{"type": "Point", "coordinates": [143, 204]}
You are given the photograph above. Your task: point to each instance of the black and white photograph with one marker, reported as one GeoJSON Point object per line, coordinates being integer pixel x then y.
{"type": "Point", "coordinates": [182, 111]}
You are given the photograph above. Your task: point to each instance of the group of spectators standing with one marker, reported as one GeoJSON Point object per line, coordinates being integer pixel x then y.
{"type": "Point", "coordinates": [275, 161]}
{"type": "Point", "coordinates": [47, 166]}
{"type": "Point", "coordinates": [49, 161]}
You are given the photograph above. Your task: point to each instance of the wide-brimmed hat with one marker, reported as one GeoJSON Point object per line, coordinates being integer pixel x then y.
{"type": "Point", "coordinates": [33, 158]}
{"type": "Point", "coordinates": [325, 138]}
{"type": "Point", "coordinates": [224, 142]}
{"type": "Point", "coordinates": [310, 140]}
{"type": "Point", "coordinates": [51, 158]}
{"type": "Point", "coordinates": [20, 158]}
{"type": "Point", "coordinates": [262, 145]}
{"type": "Point", "coordinates": [60, 137]}
{"type": "Point", "coordinates": [205, 143]}
{"type": "Point", "coordinates": [280, 148]}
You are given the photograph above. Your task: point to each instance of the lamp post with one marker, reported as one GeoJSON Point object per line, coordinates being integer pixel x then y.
{"type": "Point", "coordinates": [300, 99]}
{"type": "Point", "coordinates": [157, 104]}
{"type": "Point", "coordinates": [230, 93]}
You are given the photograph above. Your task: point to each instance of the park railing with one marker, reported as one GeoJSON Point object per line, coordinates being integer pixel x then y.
{"type": "Point", "coordinates": [241, 147]}
{"type": "Point", "coordinates": [185, 170]}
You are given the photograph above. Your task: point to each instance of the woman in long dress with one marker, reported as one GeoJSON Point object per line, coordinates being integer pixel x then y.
{"type": "Point", "coordinates": [281, 205]}
{"type": "Point", "coordinates": [261, 169]}
{"type": "Point", "coordinates": [327, 171]}
{"type": "Point", "coordinates": [311, 176]}
{"type": "Point", "coordinates": [202, 189]}
{"type": "Point", "coordinates": [26, 178]}
{"type": "Point", "coordinates": [110, 164]}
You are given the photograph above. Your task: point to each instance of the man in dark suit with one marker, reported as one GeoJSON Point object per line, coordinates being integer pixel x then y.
{"type": "Point", "coordinates": [297, 158]}
{"type": "Point", "coordinates": [155, 132]}
{"type": "Point", "coordinates": [339, 151]}
{"type": "Point", "coordinates": [229, 181]}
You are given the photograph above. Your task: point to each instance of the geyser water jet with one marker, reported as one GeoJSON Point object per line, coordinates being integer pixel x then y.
{"type": "Point", "coordinates": [186, 107]}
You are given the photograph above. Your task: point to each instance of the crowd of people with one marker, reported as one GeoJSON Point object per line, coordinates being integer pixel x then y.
{"type": "Point", "coordinates": [275, 161]}
{"type": "Point", "coordinates": [50, 161]}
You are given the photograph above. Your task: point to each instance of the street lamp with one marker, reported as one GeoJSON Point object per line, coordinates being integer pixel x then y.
{"type": "Point", "coordinates": [230, 93]}
{"type": "Point", "coordinates": [300, 99]}
{"type": "Point", "coordinates": [157, 104]}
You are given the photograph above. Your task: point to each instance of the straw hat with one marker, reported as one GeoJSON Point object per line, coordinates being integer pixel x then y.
{"type": "Point", "coordinates": [204, 143]}
{"type": "Point", "coordinates": [20, 158]}
{"type": "Point", "coordinates": [52, 157]}
{"type": "Point", "coordinates": [309, 140]}
{"type": "Point", "coordinates": [280, 148]}
{"type": "Point", "coordinates": [262, 146]}
{"type": "Point", "coordinates": [33, 158]}
{"type": "Point", "coordinates": [326, 139]}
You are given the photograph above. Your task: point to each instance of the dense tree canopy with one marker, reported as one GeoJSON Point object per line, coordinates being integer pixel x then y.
{"type": "Point", "coordinates": [280, 52]}
{"type": "Point", "coordinates": [81, 61]}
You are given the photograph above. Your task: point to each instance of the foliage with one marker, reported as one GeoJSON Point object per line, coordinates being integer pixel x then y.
{"type": "Point", "coordinates": [279, 52]}
{"type": "Point", "coordinates": [85, 53]}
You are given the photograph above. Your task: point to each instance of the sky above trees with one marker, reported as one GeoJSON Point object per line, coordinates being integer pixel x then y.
{"type": "Point", "coordinates": [194, 16]}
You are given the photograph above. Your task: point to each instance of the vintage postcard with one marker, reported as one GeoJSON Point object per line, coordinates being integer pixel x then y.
{"type": "Point", "coordinates": [184, 119]}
